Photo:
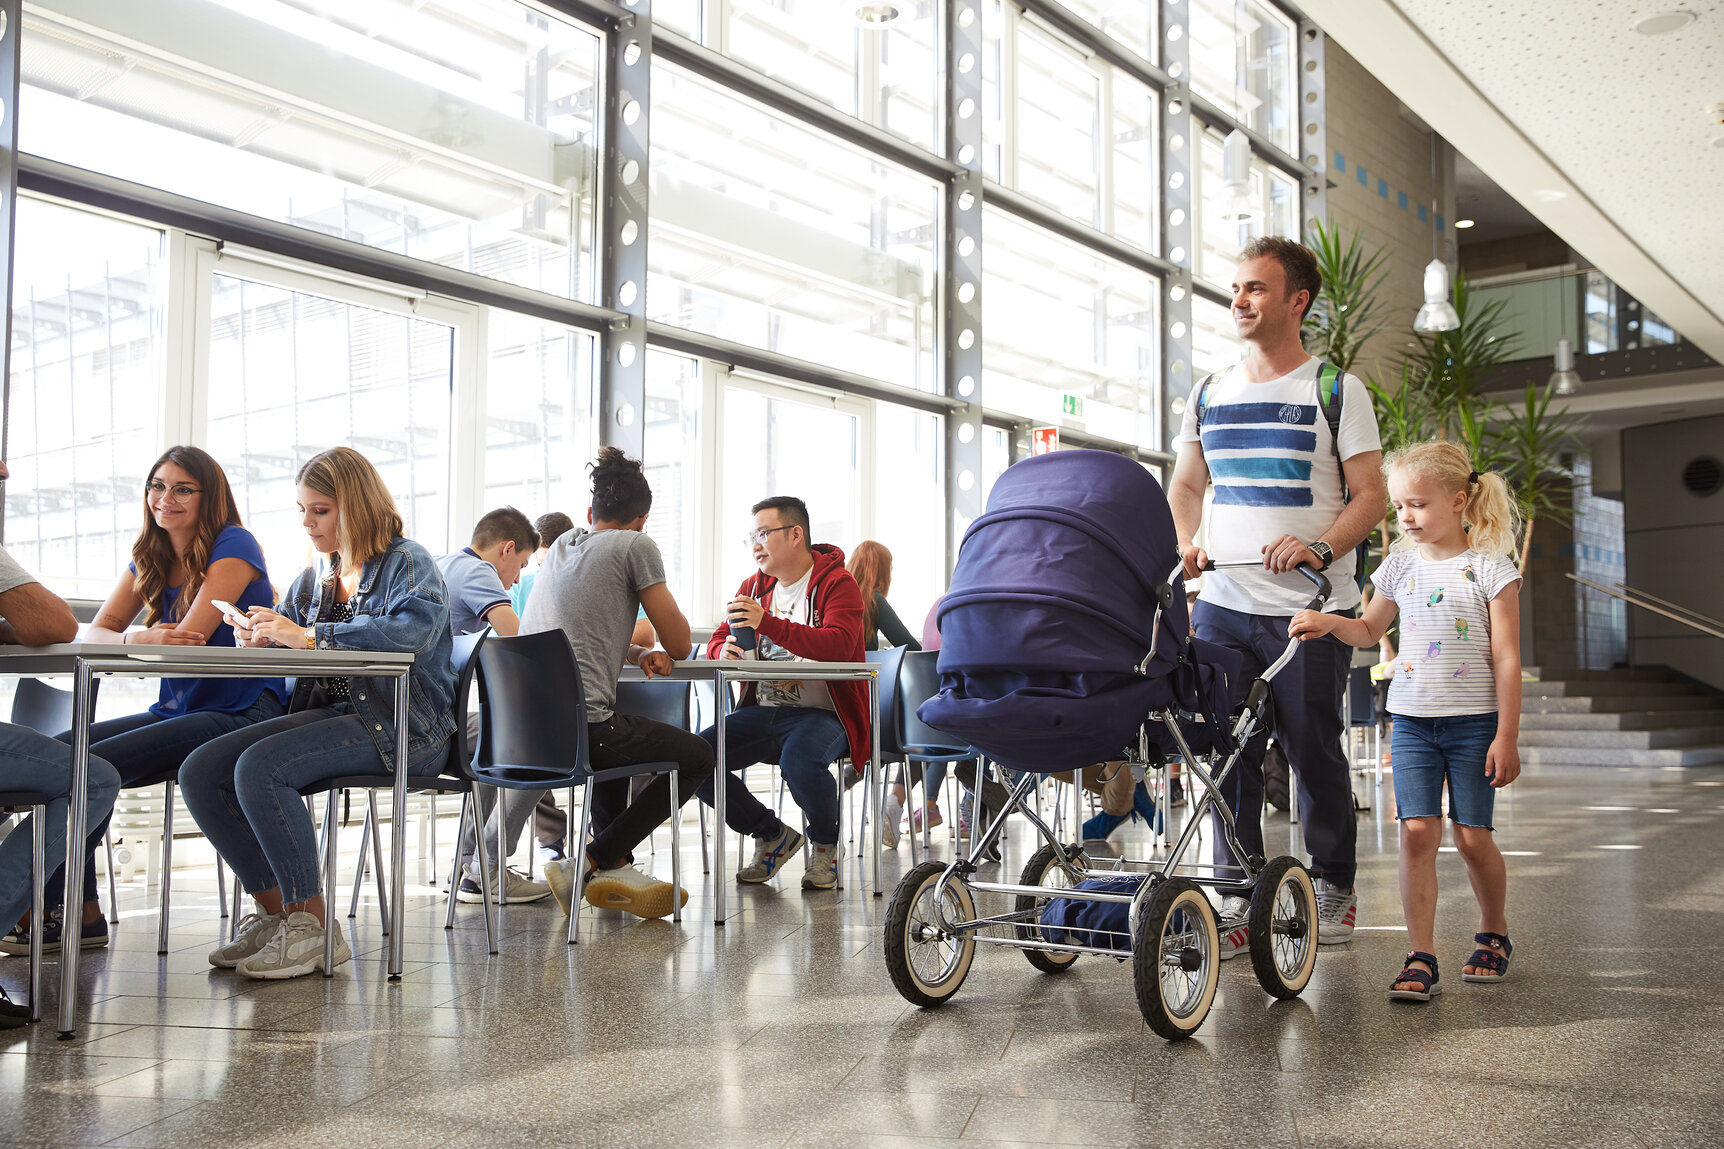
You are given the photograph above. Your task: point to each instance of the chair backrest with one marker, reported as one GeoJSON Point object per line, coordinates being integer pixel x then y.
{"type": "Point", "coordinates": [890, 662]}
{"type": "Point", "coordinates": [466, 666]}
{"type": "Point", "coordinates": [44, 707]}
{"type": "Point", "coordinates": [918, 681]}
{"type": "Point", "coordinates": [533, 713]}
{"type": "Point", "coordinates": [666, 702]}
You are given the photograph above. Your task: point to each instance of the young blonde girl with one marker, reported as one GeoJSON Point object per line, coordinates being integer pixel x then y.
{"type": "Point", "coordinates": [1456, 690]}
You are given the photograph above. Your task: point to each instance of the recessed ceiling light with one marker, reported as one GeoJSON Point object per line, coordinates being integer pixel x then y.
{"type": "Point", "coordinates": [1664, 23]}
{"type": "Point", "coordinates": [878, 13]}
{"type": "Point", "coordinates": [1463, 223]}
{"type": "Point", "coordinates": [1549, 195]}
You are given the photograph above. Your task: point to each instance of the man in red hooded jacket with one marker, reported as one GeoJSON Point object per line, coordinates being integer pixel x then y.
{"type": "Point", "coordinates": [803, 605]}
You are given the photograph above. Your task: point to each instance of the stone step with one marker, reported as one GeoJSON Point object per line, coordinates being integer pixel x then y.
{"type": "Point", "coordinates": [1614, 704]}
{"type": "Point", "coordinates": [1587, 756]}
{"type": "Point", "coordinates": [1627, 720]}
{"type": "Point", "coordinates": [1605, 688]}
{"type": "Point", "coordinates": [1636, 674]}
{"type": "Point", "coordinates": [1621, 739]}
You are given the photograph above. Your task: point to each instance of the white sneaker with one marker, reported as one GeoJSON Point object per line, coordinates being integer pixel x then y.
{"type": "Point", "coordinates": [822, 872]}
{"type": "Point", "coordinates": [295, 950]}
{"type": "Point", "coordinates": [626, 888]}
{"type": "Point", "coordinates": [891, 813]}
{"type": "Point", "coordinates": [1337, 910]}
{"type": "Point", "coordinates": [560, 877]}
{"type": "Point", "coordinates": [517, 888]}
{"type": "Point", "coordinates": [1235, 934]}
{"type": "Point", "coordinates": [250, 936]}
{"type": "Point", "coordinates": [770, 854]}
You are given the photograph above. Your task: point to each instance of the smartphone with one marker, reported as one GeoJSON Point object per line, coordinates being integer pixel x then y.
{"type": "Point", "coordinates": [234, 615]}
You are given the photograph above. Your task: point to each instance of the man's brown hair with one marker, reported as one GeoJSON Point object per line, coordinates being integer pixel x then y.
{"type": "Point", "coordinates": [1297, 261]}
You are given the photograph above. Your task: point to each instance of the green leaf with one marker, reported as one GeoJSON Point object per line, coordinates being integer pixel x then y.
{"type": "Point", "coordinates": [1342, 318]}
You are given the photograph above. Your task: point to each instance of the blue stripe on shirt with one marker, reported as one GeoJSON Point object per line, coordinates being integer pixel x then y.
{"type": "Point", "coordinates": [1258, 438]}
{"type": "Point", "coordinates": [1238, 496]}
{"type": "Point", "coordinates": [1261, 467]}
{"type": "Point", "coordinates": [1289, 413]}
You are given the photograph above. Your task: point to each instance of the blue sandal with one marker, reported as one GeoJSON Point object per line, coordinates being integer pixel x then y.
{"type": "Point", "coordinates": [1426, 980]}
{"type": "Point", "coordinates": [1493, 954]}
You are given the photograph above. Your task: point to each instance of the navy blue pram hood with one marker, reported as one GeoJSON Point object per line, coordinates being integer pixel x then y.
{"type": "Point", "coordinates": [1050, 612]}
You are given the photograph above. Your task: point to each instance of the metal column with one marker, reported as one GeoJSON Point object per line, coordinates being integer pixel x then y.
{"type": "Point", "coordinates": [1313, 145]}
{"type": "Point", "coordinates": [622, 238]}
{"type": "Point", "coordinates": [1178, 225]}
{"type": "Point", "coordinates": [11, 34]}
{"type": "Point", "coordinates": [959, 327]}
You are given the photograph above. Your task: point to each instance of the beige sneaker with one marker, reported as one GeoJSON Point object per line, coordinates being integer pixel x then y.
{"type": "Point", "coordinates": [295, 950]}
{"type": "Point", "coordinates": [560, 876]}
{"type": "Point", "coordinates": [822, 871]}
{"type": "Point", "coordinates": [250, 936]}
{"type": "Point", "coordinates": [626, 888]}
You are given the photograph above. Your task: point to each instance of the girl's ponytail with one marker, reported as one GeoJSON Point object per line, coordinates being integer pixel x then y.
{"type": "Point", "coordinates": [1492, 515]}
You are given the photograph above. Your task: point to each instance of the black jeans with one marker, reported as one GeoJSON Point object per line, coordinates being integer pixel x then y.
{"type": "Point", "coordinates": [618, 824]}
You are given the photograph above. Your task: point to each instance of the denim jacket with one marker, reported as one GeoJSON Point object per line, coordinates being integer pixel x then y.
{"type": "Point", "coordinates": [400, 605]}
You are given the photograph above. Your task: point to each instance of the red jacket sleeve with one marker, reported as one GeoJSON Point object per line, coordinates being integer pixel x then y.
{"type": "Point", "coordinates": [838, 638]}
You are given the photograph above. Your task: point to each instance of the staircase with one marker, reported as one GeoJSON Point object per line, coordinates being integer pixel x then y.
{"type": "Point", "coordinates": [1646, 717]}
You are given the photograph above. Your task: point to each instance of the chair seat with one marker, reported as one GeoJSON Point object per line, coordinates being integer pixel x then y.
{"type": "Point", "coordinates": [11, 799]}
{"type": "Point", "coordinates": [938, 753]}
{"type": "Point", "coordinates": [537, 778]}
{"type": "Point", "coordinates": [441, 783]}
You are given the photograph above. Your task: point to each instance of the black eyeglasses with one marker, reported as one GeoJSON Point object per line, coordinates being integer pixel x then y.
{"type": "Point", "coordinates": [179, 492]}
{"type": "Point", "coordinates": [760, 535]}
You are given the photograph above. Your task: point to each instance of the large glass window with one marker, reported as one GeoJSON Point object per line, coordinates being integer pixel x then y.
{"type": "Point", "coordinates": [84, 419]}
{"type": "Point", "coordinates": [294, 372]}
{"type": "Point", "coordinates": [1242, 60]}
{"type": "Point", "coordinates": [1063, 327]}
{"type": "Point", "coordinates": [539, 430]}
{"type": "Point", "coordinates": [1059, 113]}
{"type": "Point", "coordinates": [910, 507]}
{"type": "Point", "coordinates": [1131, 22]}
{"type": "Point", "coordinates": [1215, 341]}
{"type": "Point", "coordinates": [456, 131]}
{"type": "Point", "coordinates": [672, 458]}
{"type": "Point", "coordinates": [774, 235]}
{"type": "Point", "coordinates": [1273, 193]}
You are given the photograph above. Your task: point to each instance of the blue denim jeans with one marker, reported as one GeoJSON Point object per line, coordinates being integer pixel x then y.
{"type": "Point", "coordinates": [1430, 751]}
{"type": "Point", "coordinates": [243, 790]}
{"type": "Point", "coordinates": [145, 746]}
{"type": "Point", "coordinates": [32, 761]}
{"type": "Point", "coordinates": [804, 742]}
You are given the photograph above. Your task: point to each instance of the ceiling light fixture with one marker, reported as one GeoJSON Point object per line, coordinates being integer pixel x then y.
{"type": "Point", "coordinates": [1564, 380]}
{"type": "Point", "coordinates": [1237, 205]}
{"type": "Point", "coordinates": [1664, 23]}
{"type": "Point", "coordinates": [876, 14]}
{"type": "Point", "coordinates": [1438, 314]}
{"type": "Point", "coordinates": [1549, 195]}
{"type": "Point", "coordinates": [1463, 224]}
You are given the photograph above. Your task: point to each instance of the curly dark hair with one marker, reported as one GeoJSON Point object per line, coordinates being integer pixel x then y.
{"type": "Point", "coordinates": [621, 493]}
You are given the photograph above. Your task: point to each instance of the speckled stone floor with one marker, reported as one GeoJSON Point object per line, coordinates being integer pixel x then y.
{"type": "Point", "coordinates": [782, 1028]}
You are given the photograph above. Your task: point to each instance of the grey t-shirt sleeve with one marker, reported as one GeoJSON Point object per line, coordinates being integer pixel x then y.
{"type": "Point", "coordinates": [12, 575]}
{"type": "Point", "coordinates": [646, 564]}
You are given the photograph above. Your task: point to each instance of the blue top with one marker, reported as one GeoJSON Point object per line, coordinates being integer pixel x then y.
{"type": "Point", "coordinates": [227, 695]}
{"type": "Point", "coordinates": [475, 589]}
{"type": "Point", "coordinates": [518, 596]}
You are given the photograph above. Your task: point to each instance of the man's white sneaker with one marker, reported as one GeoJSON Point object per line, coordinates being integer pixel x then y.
{"type": "Point", "coordinates": [1235, 934]}
{"type": "Point", "coordinates": [822, 872]}
{"type": "Point", "coordinates": [517, 888]}
{"type": "Point", "coordinates": [560, 876]}
{"type": "Point", "coordinates": [891, 813]}
{"type": "Point", "coordinates": [250, 936]}
{"type": "Point", "coordinates": [769, 856]}
{"type": "Point", "coordinates": [626, 888]}
{"type": "Point", "coordinates": [1337, 910]}
{"type": "Point", "coordinates": [295, 950]}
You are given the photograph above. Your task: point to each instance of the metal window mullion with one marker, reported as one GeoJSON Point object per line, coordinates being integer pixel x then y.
{"type": "Point", "coordinates": [1179, 160]}
{"type": "Point", "coordinates": [622, 239]}
{"type": "Point", "coordinates": [10, 70]}
{"type": "Point", "coordinates": [1313, 128]}
{"type": "Point", "coordinates": [959, 327]}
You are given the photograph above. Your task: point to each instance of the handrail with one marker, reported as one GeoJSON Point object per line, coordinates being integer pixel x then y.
{"type": "Point", "coordinates": [1700, 622]}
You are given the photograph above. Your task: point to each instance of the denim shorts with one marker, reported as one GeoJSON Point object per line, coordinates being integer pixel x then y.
{"type": "Point", "coordinates": [1426, 751]}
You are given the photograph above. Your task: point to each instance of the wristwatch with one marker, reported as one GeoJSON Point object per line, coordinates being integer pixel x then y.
{"type": "Point", "coordinates": [1325, 554]}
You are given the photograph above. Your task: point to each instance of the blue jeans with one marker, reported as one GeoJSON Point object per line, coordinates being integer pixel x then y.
{"type": "Point", "coordinates": [243, 790]}
{"type": "Point", "coordinates": [1428, 751]}
{"type": "Point", "coordinates": [804, 742]}
{"type": "Point", "coordinates": [145, 746]}
{"type": "Point", "coordinates": [32, 761]}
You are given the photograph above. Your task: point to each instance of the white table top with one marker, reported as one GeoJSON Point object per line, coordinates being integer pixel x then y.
{"type": "Point", "coordinates": [197, 661]}
{"type": "Point", "coordinates": [706, 669]}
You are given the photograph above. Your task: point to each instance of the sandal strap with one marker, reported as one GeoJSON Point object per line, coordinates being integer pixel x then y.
{"type": "Point", "coordinates": [1489, 959]}
{"type": "Point", "coordinates": [1497, 942]}
{"type": "Point", "coordinates": [1428, 959]}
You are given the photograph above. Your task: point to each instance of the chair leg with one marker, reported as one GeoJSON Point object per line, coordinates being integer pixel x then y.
{"type": "Point", "coordinates": [705, 855]}
{"type": "Point", "coordinates": [454, 867]}
{"type": "Point", "coordinates": [38, 876]}
{"type": "Point", "coordinates": [221, 886]}
{"type": "Point", "coordinates": [675, 850]}
{"type": "Point", "coordinates": [377, 854]}
{"type": "Point", "coordinates": [113, 886]}
{"type": "Point", "coordinates": [492, 924]}
{"type": "Point", "coordinates": [233, 921]}
{"type": "Point", "coordinates": [360, 866]}
{"type": "Point", "coordinates": [167, 870]}
{"type": "Point", "coordinates": [432, 815]}
{"type": "Point", "coordinates": [580, 862]}
{"type": "Point", "coordinates": [330, 831]}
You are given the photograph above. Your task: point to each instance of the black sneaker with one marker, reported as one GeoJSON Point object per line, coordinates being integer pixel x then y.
{"type": "Point", "coordinates": [94, 936]}
{"type": "Point", "coordinates": [12, 1015]}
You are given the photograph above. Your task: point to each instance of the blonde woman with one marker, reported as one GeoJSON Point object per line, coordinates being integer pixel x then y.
{"type": "Point", "coordinates": [379, 591]}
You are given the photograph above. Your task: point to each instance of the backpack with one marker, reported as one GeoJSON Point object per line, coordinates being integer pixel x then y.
{"type": "Point", "coordinates": [1330, 396]}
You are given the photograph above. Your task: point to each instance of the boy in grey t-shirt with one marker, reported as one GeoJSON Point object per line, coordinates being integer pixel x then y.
{"type": "Point", "coordinates": [590, 586]}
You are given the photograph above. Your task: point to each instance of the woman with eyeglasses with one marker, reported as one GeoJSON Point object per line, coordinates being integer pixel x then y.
{"type": "Point", "coordinates": [378, 591]}
{"type": "Point", "coordinates": [191, 552]}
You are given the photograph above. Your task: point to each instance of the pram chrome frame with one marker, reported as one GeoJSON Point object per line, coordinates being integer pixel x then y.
{"type": "Point", "coordinates": [1025, 931]}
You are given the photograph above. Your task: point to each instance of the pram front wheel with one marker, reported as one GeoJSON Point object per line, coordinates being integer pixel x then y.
{"type": "Point", "coordinates": [1176, 958]}
{"type": "Point", "coordinates": [1283, 925]}
{"type": "Point", "coordinates": [1044, 869]}
{"type": "Point", "coordinates": [928, 961]}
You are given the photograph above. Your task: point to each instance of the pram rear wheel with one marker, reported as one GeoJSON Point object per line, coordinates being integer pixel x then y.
{"type": "Point", "coordinates": [1283, 928]}
{"type": "Point", "coordinates": [927, 961]}
{"type": "Point", "coordinates": [1176, 958]}
{"type": "Point", "coordinates": [1044, 869]}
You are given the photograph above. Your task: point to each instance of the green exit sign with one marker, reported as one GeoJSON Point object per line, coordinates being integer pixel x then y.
{"type": "Point", "coordinates": [1072, 405]}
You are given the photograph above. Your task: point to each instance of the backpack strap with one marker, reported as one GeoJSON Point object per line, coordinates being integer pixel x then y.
{"type": "Point", "coordinates": [1203, 395]}
{"type": "Point", "coordinates": [1330, 396]}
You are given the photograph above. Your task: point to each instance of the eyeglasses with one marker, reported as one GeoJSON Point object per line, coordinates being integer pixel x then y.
{"type": "Point", "coordinates": [758, 537]}
{"type": "Point", "coordinates": [179, 492]}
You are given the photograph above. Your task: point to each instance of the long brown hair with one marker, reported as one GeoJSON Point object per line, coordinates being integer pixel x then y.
{"type": "Point", "coordinates": [369, 520]}
{"type": "Point", "coordinates": [153, 552]}
{"type": "Point", "coordinates": [871, 566]}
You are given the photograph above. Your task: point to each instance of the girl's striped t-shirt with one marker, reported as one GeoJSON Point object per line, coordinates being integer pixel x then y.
{"type": "Point", "coordinates": [1443, 667]}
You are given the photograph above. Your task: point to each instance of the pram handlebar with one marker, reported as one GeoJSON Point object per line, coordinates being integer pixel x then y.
{"type": "Point", "coordinates": [1324, 590]}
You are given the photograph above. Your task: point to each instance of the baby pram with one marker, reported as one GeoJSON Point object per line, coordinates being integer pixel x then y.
{"type": "Point", "coordinates": [1065, 641]}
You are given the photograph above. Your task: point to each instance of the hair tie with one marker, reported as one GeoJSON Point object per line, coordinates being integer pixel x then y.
{"type": "Point", "coordinates": [1472, 478]}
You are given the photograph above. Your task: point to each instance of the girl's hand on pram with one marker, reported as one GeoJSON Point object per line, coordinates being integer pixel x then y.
{"type": "Point", "coordinates": [1502, 761]}
{"type": "Point", "coordinates": [1311, 624]}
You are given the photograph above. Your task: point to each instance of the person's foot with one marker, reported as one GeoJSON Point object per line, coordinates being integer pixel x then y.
{"type": "Point", "coordinates": [852, 775]}
{"type": "Point", "coordinates": [1337, 910]}
{"type": "Point", "coordinates": [626, 888]}
{"type": "Point", "coordinates": [822, 872]}
{"type": "Point", "coordinates": [12, 1014]}
{"type": "Point", "coordinates": [92, 935]}
{"type": "Point", "coordinates": [517, 888]}
{"type": "Point", "coordinates": [935, 818]}
{"type": "Point", "coordinates": [1235, 934]}
{"type": "Point", "coordinates": [1101, 825]}
{"type": "Point", "coordinates": [1175, 792]}
{"type": "Point", "coordinates": [891, 813]}
{"type": "Point", "coordinates": [1142, 806]}
{"type": "Point", "coordinates": [769, 856]}
{"type": "Point", "coordinates": [295, 950]}
{"type": "Point", "coordinates": [250, 936]}
{"type": "Point", "coordinates": [1417, 980]}
{"type": "Point", "coordinates": [964, 810]}
{"type": "Point", "coordinates": [560, 877]}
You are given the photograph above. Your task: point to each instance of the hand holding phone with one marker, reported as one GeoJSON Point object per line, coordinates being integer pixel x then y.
{"type": "Point", "coordinates": [234, 616]}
